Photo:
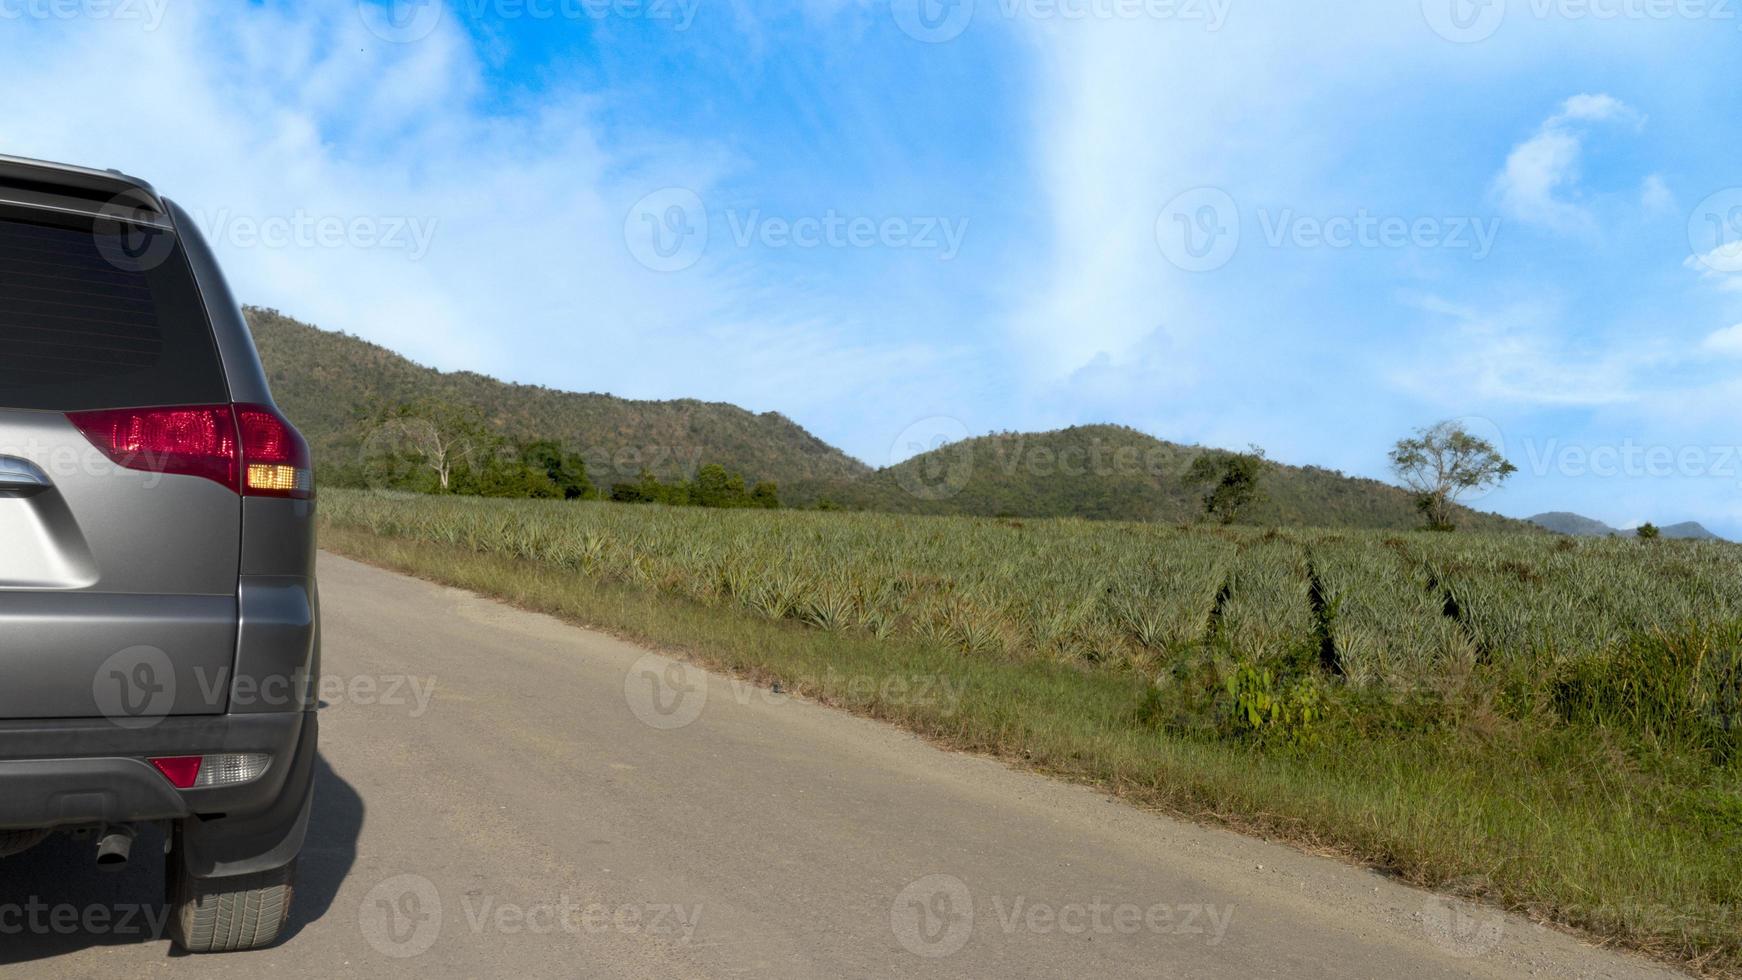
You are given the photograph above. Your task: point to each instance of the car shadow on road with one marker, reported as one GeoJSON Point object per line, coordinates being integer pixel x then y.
{"type": "Point", "coordinates": [54, 901]}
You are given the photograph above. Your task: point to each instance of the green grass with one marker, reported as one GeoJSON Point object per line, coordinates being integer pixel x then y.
{"type": "Point", "coordinates": [1546, 725]}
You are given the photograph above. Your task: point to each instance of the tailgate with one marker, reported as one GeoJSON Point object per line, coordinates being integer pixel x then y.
{"type": "Point", "coordinates": [118, 587]}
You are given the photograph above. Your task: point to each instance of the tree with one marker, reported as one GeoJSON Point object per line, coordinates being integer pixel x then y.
{"type": "Point", "coordinates": [566, 470]}
{"type": "Point", "coordinates": [630, 493]}
{"type": "Point", "coordinates": [504, 472]}
{"type": "Point", "coordinates": [765, 495]}
{"type": "Point", "coordinates": [1443, 462]}
{"type": "Point", "coordinates": [439, 436]}
{"type": "Point", "coordinates": [1234, 480]}
{"type": "Point", "coordinates": [1648, 532]}
{"type": "Point", "coordinates": [717, 486]}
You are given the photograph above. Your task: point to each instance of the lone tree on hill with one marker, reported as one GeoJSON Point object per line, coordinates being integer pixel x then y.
{"type": "Point", "coordinates": [1648, 532]}
{"type": "Point", "coordinates": [1233, 479]}
{"type": "Point", "coordinates": [441, 436]}
{"type": "Point", "coordinates": [1443, 462]}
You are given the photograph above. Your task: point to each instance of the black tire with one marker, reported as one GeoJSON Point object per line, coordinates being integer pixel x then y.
{"type": "Point", "coordinates": [226, 915]}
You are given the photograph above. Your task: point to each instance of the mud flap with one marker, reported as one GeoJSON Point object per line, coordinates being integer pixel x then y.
{"type": "Point", "coordinates": [228, 846]}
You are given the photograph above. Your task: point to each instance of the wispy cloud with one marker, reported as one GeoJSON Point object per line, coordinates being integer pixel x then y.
{"type": "Point", "coordinates": [1727, 341]}
{"type": "Point", "coordinates": [1721, 266]}
{"type": "Point", "coordinates": [1540, 182]}
{"type": "Point", "coordinates": [1655, 197]}
{"type": "Point", "coordinates": [1517, 355]}
{"type": "Point", "coordinates": [277, 113]}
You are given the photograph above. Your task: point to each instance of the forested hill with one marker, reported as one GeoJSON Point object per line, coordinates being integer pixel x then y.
{"type": "Point", "coordinates": [1115, 473]}
{"type": "Point", "coordinates": [328, 383]}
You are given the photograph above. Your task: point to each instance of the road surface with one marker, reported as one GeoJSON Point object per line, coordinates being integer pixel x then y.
{"type": "Point", "coordinates": [505, 795]}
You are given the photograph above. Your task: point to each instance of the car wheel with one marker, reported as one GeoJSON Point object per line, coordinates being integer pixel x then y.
{"type": "Point", "coordinates": [223, 915]}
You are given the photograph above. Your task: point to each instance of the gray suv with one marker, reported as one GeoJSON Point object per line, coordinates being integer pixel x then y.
{"type": "Point", "coordinates": [159, 625]}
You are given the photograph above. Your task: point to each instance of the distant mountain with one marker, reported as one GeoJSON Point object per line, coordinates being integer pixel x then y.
{"type": "Point", "coordinates": [1689, 530]}
{"type": "Point", "coordinates": [326, 381]}
{"type": "Point", "coordinates": [1116, 473]}
{"type": "Point", "coordinates": [1562, 522]}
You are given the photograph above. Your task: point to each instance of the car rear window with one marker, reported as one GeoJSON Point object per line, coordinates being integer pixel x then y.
{"type": "Point", "coordinates": [94, 314]}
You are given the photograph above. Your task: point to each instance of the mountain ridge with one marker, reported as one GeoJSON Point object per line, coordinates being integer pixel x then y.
{"type": "Point", "coordinates": [331, 383]}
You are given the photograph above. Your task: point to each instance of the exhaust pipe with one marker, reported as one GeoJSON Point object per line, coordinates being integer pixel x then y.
{"type": "Point", "coordinates": [114, 844]}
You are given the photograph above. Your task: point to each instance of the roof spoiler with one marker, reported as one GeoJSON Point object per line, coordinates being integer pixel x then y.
{"type": "Point", "coordinates": [99, 187]}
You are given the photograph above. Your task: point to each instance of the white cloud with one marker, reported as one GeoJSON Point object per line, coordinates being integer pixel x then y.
{"type": "Point", "coordinates": [261, 113]}
{"type": "Point", "coordinates": [1134, 111]}
{"type": "Point", "coordinates": [1727, 341]}
{"type": "Point", "coordinates": [1540, 182]}
{"type": "Point", "coordinates": [1722, 266]}
{"type": "Point", "coordinates": [1655, 197]}
{"type": "Point", "coordinates": [1513, 356]}
{"type": "Point", "coordinates": [1594, 108]}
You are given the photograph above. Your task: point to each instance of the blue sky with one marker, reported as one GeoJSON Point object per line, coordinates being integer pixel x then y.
{"type": "Point", "coordinates": [1312, 226]}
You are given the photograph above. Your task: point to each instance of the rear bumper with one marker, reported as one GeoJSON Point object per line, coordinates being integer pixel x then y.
{"type": "Point", "coordinates": [61, 774]}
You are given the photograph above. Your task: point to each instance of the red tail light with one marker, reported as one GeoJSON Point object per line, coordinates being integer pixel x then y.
{"type": "Point", "coordinates": [181, 771]}
{"type": "Point", "coordinates": [275, 459]}
{"type": "Point", "coordinates": [249, 448]}
{"type": "Point", "coordinates": [192, 441]}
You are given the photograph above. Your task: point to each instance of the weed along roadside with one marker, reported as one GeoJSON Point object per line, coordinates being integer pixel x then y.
{"type": "Point", "coordinates": [1463, 711]}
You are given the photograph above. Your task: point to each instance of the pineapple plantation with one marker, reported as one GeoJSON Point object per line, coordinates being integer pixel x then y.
{"type": "Point", "coordinates": [1554, 720]}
